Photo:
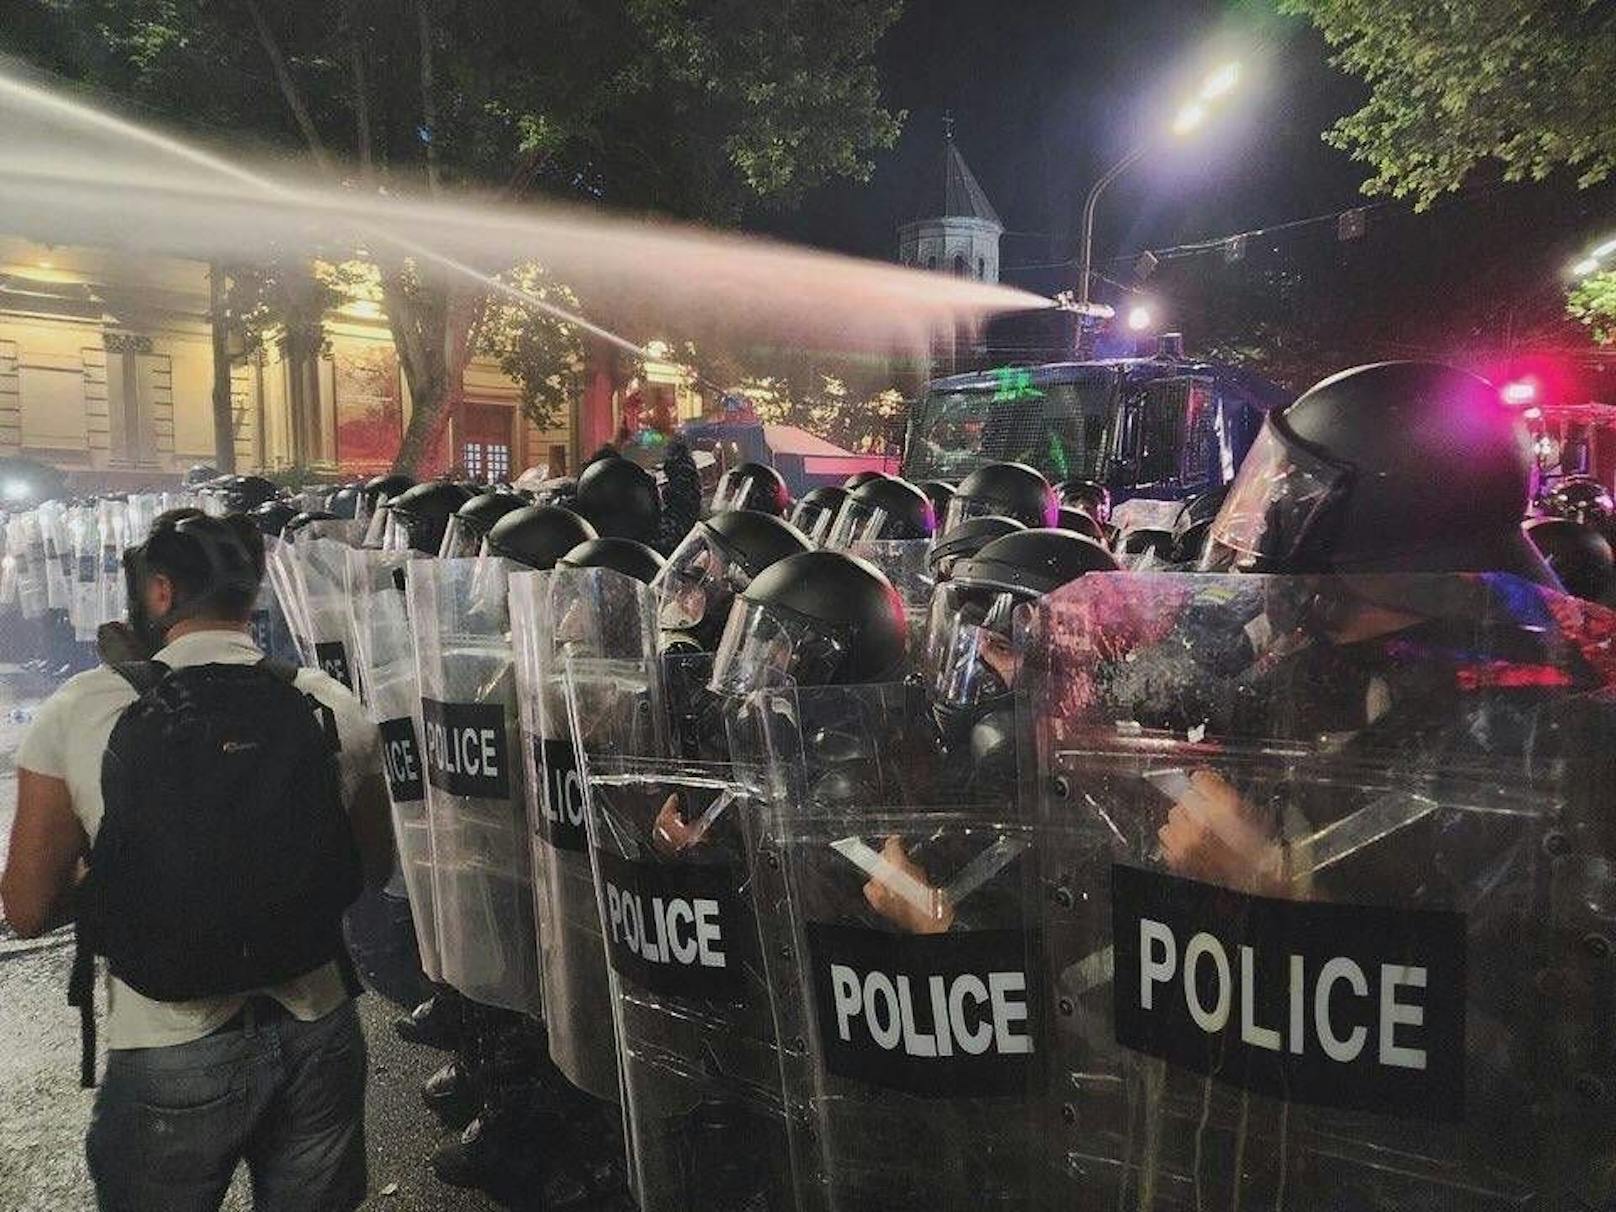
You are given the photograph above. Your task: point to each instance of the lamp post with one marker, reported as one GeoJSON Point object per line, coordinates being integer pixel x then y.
{"type": "Point", "coordinates": [1189, 116]}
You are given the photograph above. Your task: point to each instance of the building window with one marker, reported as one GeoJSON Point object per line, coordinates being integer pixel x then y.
{"type": "Point", "coordinates": [960, 266]}
{"type": "Point", "coordinates": [931, 262]}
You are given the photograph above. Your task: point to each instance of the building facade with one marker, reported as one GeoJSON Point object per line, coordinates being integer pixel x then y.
{"type": "Point", "coordinates": [957, 230]}
{"type": "Point", "coordinates": [106, 371]}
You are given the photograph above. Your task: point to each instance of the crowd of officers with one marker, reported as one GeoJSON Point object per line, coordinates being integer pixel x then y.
{"type": "Point", "coordinates": [1391, 469]}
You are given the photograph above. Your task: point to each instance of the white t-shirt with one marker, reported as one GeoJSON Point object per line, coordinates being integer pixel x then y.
{"type": "Point", "coordinates": [68, 739]}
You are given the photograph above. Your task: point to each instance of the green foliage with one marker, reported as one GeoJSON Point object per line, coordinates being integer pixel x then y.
{"type": "Point", "coordinates": [1593, 302]}
{"type": "Point", "coordinates": [1453, 83]}
{"type": "Point", "coordinates": [543, 354]}
{"type": "Point", "coordinates": [858, 419]}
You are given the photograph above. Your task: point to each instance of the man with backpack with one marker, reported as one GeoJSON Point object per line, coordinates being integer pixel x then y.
{"type": "Point", "coordinates": [206, 816]}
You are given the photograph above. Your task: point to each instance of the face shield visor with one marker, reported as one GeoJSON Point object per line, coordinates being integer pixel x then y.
{"type": "Point", "coordinates": [764, 647]}
{"type": "Point", "coordinates": [971, 654]}
{"type": "Point", "coordinates": [733, 492]}
{"type": "Point", "coordinates": [1274, 507]}
{"type": "Point", "coordinates": [699, 581]}
{"type": "Point", "coordinates": [814, 520]}
{"type": "Point", "coordinates": [462, 539]}
{"type": "Point", "coordinates": [396, 535]}
{"type": "Point", "coordinates": [858, 522]}
{"type": "Point", "coordinates": [376, 528]}
{"type": "Point", "coordinates": [962, 509]}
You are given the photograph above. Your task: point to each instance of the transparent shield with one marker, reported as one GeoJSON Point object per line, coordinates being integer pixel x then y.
{"type": "Point", "coordinates": [26, 545]}
{"type": "Point", "coordinates": [1328, 882]}
{"type": "Point", "coordinates": [905, 565]}
{"type": "Point", "coordinates": [671, 844]}
{"type": "Point", "coordinates": [482, 877]}
{"type": "Point", "coordinates": [386, 656]}
{"type": "Point", "coordinates": [319, 571]}
{"type": "Point", "coordinates": [900, 924]}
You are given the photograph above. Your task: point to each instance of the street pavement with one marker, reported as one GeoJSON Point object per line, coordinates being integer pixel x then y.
{"type": "Point", "coordinates": [43, 1113]}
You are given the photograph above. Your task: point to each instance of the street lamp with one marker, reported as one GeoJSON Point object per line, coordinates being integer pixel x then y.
{"type": "Point", "coordinates": [1139, 318]}
{"type": "Point", "coordinates": [1191, 115]}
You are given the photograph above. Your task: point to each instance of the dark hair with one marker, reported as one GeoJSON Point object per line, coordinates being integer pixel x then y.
{"type": "Point", "coordinates": [191, 559]}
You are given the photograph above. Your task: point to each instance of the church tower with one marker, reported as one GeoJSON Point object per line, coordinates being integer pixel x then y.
{"type": "Point", "coordinates": [958, 231]}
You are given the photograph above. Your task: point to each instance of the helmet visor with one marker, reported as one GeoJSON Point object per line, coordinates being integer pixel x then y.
{"type": "Point", "coordinates": [376, 528]}
{"type": "Point", "coordinates": [962, 509]}
{"type": "Point", "coordinates": [971, 653]}
{"type": "Point", "coordinates": [814, 520]}
{"type": "Point", "coordinates": [396, 535]}
{"type": "Point", "coordinates": [698, 580]}
{"type": "Point", "coordinates": [461, 539]}
{"type": "Point", "coordinates": [1273, 508]}
{"type": "Point", "coordinates": [764, 648]}
{"type": "Point", "coordinates": [858, 522]}
{"type": "Point", "coordinates": [733, 492]}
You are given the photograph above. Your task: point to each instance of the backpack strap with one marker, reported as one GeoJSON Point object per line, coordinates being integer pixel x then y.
{"type": "Point", "coordinates": [142, 675]}
{"type": "Point", "coordinates": [285, 671]}
{"type": "Point", "coordinates": [81, 995]}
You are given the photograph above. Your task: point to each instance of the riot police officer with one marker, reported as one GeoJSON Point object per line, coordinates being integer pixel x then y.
{"type": "Point", "coordinates": [884, 509]}
{"type": "Point", "coordinates": [1010, 490]}
{"type": "Point", "coordinates": [754, 486]}
{"type": "Point", "coordinates": [620, 499]}
{"type": "Point", "coordinates": [815, 512]}
{"type": "Point", "coordinates": [1579, 555]}
{"type": "Point", "coordinates": [472, 521]}
{"type": "Point", "coordinates": [719, 558]}
{"type": "Point", "coordinates": [965, 540]}
{"type": "Point", "coordinates": [419, 517]}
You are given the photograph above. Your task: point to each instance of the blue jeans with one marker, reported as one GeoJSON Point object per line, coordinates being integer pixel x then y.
{"type": "Point", "coordinates": [288, 1098]}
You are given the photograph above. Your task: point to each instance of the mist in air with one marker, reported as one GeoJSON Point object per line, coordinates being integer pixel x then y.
{"type": "Point", "coordinates": [78, 174]}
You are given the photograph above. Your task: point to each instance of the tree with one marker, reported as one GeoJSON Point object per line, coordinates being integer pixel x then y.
{"type": "Point", "coordinates": [697, 108]}
{"type": "Point", "coordinates": [542, 353]}
{"type": "Point", "coordinates": [1454, 83]}
{"type": "Point", "coordinates": [1593, 302]}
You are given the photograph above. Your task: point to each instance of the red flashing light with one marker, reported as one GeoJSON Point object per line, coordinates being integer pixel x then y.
{"type": "Point", "coordinates": [1533, 414]}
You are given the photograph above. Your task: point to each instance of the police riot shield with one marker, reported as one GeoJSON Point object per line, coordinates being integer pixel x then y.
{"type": "Point", "coordinates": [603, 619]}
{"type": "Point", "coordinates": [25, 548]}
{"type": "Point", "coordinates": [114, 525]}
{"type": "Point", "coordinates": [319, 568]}
{"type": "Point", "coordinates": [1328, 899]}
{"type": "Point", "coordinates": [385, 651]}
{"type": "Point", "coordinates": [901, 930]}
{"type": "Point", "coordinates": [482, 873]}
{"type": "Point", "coordinates": [672, 846]}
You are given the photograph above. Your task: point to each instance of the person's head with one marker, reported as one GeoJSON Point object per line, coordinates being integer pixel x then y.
{"type": "Point", "coordinates": [1397, 467]}
{"type": "Point", "coordinates": [1006, 490]}
{"type": "Point", "coordinates": [536, 536]}
{"type": "Point", "coordinates": [949, 547]}
{"type": "Point", "coordinates": [1089, 496]}
{"type": "Point", "coordinates": [193, 573]}
{"type": "Point", "coordinates": [718, 559]}
{"type": "Point", "coordinates": [884, 509]}
{"type": "Point", "coordinates": [818, 618]}
{"type": "Point", "coordinates": [815, 512]}
{"type": "Point", "coordinates": [755, 486]}
{"type": "Point", "coordinates": [1579, 555]}
{"type": "Point", "coordinates": [1580, 499]}
{"type": "Point", "coordinates": [620, 499]}
{"type": "Point", "coordinates": [464, 535]}
{"type": "Point", "coordinates": [418, 517]}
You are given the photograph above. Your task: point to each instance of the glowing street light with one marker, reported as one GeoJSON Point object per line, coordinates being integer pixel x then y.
{"type": "Point", "coordinates": [1190, 117]}
{"type": "Point", "coordinates": [1139, 318]}
{"type": "Point", "coordinates": [1521, 391]}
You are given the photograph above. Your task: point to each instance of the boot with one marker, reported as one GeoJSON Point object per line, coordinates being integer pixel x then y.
{"type": "Point", "coordinates": [489, 1154]}
{"type": "Point", "coordinates": [450, 1095]}
{"type": "Point", "coordinates": [435, 1023]}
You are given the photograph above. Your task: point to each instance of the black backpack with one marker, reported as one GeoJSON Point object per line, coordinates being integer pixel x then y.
{"type": "Point", "coordinates": [225, 857]}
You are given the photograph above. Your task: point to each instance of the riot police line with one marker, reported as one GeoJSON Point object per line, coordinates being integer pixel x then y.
{"type": "Point", "coordinates": [937, 848]}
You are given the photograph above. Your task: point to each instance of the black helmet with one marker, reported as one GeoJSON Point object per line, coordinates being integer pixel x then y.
{"type": "Point", "coordinates": [385, 488]}
{"type": "Point", "coordinates": [560, 490]}
{"type": "Point", "coordinates": [1579, 555]}
{"type": "Point", "coordinates": [1010, 490]}
{"type": "Point", "coordinates": [972, 658]}
{"type": "Point", "coordinates": [1193, 523]}
{"type": "Point", "coordinates": [471, 523]}
{"type": "Point", "coordinates": [1079, 522]}
{"type": "Point", "coordinates": [418, 517]}
{"type": "Point", "coordinates": [272, 517]}
{"type": "Point", "coordinates": [242, 494]}
{"type": "Point", "coordinates": [719, 558]}
{"type": "Point", "coordinates": [1581, 499]}
{"type": "Point", "coordinates": [883, 509]}
{"type": "Point", "coordinates": [752, 486]}
{"type": "Point", "coordinates": [965, 540]}
{"type": "Point", "coordinates": [1393, 467]}
{"type": "Point", "coordinates": [200, 474]}
{"type": "Point", "coordinates": [1090, 496]}
{"type": "Point", "coordinates": [632, 559]}
{"type": "Point", "coordinates": [816, 510]}
{"type": "Point", "coordinates": [620, 499]}
{"type": "Point", "coordinates": [819, 618]}
{"type": "Point", "coordinates": [860, 478]}
{"type": "Point", "coordinates": [1032, 563]}
{"type": "Point", "coordinates": [344, 503]}
{"type": "Point", "coordinates": [536, 536]}
{"type": "Point", "coordinates": [307, 518]}
{"type": "Point", "coordinates": [939, 493]}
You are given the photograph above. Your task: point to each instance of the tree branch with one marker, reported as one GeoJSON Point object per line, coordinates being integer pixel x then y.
{"type": "Point", "coordinates": [429, 105]}
{"type": "Point", "coordinates": [288, 87]}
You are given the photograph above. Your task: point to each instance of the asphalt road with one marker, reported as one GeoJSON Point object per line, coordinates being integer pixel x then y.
{"type": "Point", "coordinates": [43, 1113]}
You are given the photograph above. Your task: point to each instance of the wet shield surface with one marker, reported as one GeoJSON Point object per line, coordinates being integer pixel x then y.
{"type": "Point", "coordinates": [481, 862]}
{"type": "Point", "coordinates": [1328, 899]}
